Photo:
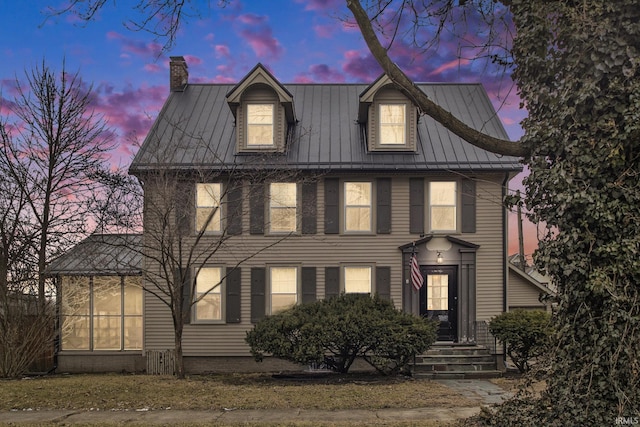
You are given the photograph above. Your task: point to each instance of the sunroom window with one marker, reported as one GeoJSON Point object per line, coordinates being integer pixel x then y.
{"type": "Point", "coordinates": [259, 124]}
{"type": "Point", "coordinates": [101, 313]}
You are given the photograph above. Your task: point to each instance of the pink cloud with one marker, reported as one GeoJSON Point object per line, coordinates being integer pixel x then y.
{"type": "Point", "coordinates": [193, 60]}
{"type": "Point", "coordinates": [153, 68]}
{"type": "Point", "coordinates": [325, 31]}
{"type": "Point", "coordinates": [320, 73]}
{"type": "Point", "coordinates": [222, 51]}
{"type": "Point", "coordinates": [263, 43]}
{"type": "Point", "coordinates": [321, 4]}
{"type": "Point", "coordinates": [209, 37]}
{"type": "Point", "coordinates": [150, 50]}
{"type": "Point", "coordinates": [251, 19]}
{"type": "Point", "coordinates": [361, 66]}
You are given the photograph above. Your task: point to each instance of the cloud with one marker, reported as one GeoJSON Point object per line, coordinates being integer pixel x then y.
{"type": "Point", "coordinates": [361, 66]}
{"type": "Point", "coordinates": [145, 50]}
{"type": "Point", "coordinates": [325, 31]}
{"type": "Point", "coordinates": [321, 4]}
{"type": "Point", "coordinates": [222, 51]}
{"type": "Point", "coordinates": [320, 73]}
{"type": "Point", "coordinates": [257, 33]}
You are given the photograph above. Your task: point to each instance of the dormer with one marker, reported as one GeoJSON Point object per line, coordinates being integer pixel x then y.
{"type": "Point", "coordinates": [389, 117]}
{"type": "Point", "coordinates": [263, 110]}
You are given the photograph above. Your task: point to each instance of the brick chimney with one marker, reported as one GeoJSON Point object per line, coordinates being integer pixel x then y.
{"type": "Point", "coordinates": [178, 74]}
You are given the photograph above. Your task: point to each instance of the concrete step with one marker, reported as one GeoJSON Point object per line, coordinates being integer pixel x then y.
{"type": "Point", "coordinates": [452, 358]}
{"type": "Point", "coordinates": [451, 375]}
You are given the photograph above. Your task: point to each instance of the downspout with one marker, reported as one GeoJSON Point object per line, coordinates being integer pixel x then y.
{"type": "Point", "coordinates": [505, 251]}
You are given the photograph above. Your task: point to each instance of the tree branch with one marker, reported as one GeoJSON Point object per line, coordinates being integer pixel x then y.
{"type": "Point", "coordinates": [422, 101]}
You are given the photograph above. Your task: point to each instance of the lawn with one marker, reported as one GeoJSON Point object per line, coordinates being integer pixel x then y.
{"type": "Point", "coordinates": [215, 392]}
{"type": "Point", "coordinates": [114, 392]}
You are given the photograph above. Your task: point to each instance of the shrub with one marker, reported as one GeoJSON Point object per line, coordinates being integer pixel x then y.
{"type": "Point", "coordinates": [525, 334]}
{"type": "Point", "coordinates": [337, 330]}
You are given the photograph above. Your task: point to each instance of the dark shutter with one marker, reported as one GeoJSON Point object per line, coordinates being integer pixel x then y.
{"type": "Point", "coordinates": [309, 207]}
{"type": "Point", "coordinates": [331, 282]}
{"type": "Point", "coordinates": [256, 202]}
{"type": "Point", "coordinates": [258, 297]}
{"type": "Point", "coordinates": [308, 284]}
{"type": "Point", "coordinates": [468, 206]}
{"type": "Point", "coordinates": [232, 305]}
{"type": "Point", "coordinates": [383, 282]}
{"type": "Point", "coordinates": [331, 206]}
{"type": "Point", "coordinates": [234, 208]}
{"type": "Point", "coordinates": [186, 293]}
{"type": "Point", "coordinates": [383, 201]}
{"type": "Point", "coordinates": [416, 205]}
{"type": "Point", "coordinates": [184, 207]}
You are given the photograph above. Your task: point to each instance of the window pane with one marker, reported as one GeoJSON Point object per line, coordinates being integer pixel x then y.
{"type": "Point", "coordinates": [106, 332]}
{"type": "Point", "coordinates": [284, 280]}
{"type": "Point", "coordinates": [358, 219]}
{"type": "Point", "coordinates": [283, 220]}
{"type": "Point", "coordinates": [280, 302]}
{"type": "Point", "coordinates": [207, 202]}
{"type": "Point", "coordinates": [132, 296]}
{"type": "Point", "coordinates": [437, 292]}
{"type": "Point", "coordinates": [357, 206]}
{"type": "Point", "coordinates": [357, 193]}
{"type": "Point", "coordinates": [75, 333]}
{"type": "Point", "coordinates": [442, 193]}
{"type": "Point", "coordinates": [107, 298]}
{"type": "Point", "coordinates": [283, 194]}
{"type": "Point", "coordinates": [357, 279]}
{"type": "Point", "coordinates": [259, 124]}
{"type": "Point", "coordinates": [133, 332]}
{"type": "Point", "coordinates": [392, 124]}
{"type": "Point", "coordinates": [75, 295]}
{"type": "Point", "coordinates": [443, 218]}
{"type": "Point", "coordinates": [208, 282]}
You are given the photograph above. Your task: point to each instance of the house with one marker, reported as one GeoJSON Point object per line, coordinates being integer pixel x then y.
{"type": "Point", "coordinates": [528, 288]}
{"type": "Point", "coordinates": [306, 191]}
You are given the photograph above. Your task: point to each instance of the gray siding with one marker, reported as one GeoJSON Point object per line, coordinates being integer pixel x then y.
{"type": "Point", "coordinates": [323, 250]}
{"type": "Point", "coordinates": [522, 294]}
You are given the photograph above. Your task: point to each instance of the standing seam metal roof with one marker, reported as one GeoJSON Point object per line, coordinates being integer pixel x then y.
{"type": "Point", "coordinates": [196, 129]}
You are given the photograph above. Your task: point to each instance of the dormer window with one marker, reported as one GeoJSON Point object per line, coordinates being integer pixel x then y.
{"type": "Point", "coordinates": [259, 125]}
{"type": "Point", "coordinates": [393, 124]}
{"type": "Point", "coordinates": [389, 118]}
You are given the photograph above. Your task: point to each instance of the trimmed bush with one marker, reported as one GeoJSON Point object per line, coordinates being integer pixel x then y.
{"type": "Point", "coordinates": [338, 330]}
{"type": "Point", "coordinates": [525, 334]}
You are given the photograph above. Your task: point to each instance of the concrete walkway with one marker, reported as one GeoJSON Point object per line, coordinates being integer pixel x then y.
{"type": "Point", "coordinates": [482, 391]}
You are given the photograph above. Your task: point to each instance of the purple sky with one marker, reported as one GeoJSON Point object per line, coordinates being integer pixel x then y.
{"type": "Point", "coordinates": [298, 40]}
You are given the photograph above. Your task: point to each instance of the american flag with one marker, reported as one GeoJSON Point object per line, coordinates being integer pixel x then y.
{"type": "Point", "coordinates": [416, 276]}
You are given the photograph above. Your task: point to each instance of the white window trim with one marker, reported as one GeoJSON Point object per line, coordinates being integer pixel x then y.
{"type": "Point", "coordinates": [269, 293]}
{"type": "Point", "coordinates": [194, 296]}
{"type": "Point", "coordinates": [458, 201]}
{"type": "Point", "coordinates": [248, 146]}
{"type": "Point", "coordinates": [343, 277]}
{"type": "Point", "coordinates": [344, 206]}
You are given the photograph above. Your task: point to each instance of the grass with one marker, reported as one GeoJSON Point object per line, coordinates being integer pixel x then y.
{"type": "Point", "coordinates": [113, 392]}
{"type": "Point", "coordinates": [215, 392]}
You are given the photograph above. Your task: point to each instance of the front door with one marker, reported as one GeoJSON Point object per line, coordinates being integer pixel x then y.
{"type": "Point", "coordinates": [439, 300]}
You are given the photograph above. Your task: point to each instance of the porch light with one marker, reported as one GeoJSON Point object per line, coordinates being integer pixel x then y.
{"type": "Point", "coordinates": [439, 258]}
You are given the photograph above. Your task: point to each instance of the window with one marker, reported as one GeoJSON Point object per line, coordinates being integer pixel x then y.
{"type": "Point", "coordinates": [284, 288]}
{"type": "Point", "coordinates": [357, 280]}
{"type": "Point", "coordinates": [392, 124]}
{"type": "Point", "coordinates": [208, 207]}
{"type": "Point", "coordinates": [442, 206]}
{"type": "Point", "coordinates": [101, 313]}
{"type": "Point", "coordinates": [437, 292]}
{"type": "Point", "coordinates": [283, 207]}
{"type": "Point", "coordinates": [208, 296]}
{"type": "Point", "coordinates": [357, 206]}
{"type": "Point", "coordinates": [259, 124]}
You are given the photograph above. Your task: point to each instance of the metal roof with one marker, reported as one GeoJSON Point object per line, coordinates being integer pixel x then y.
{"type": "Point", "coordinates": [101, 254]}
{"type": "Point", "coordinates": [196, 129]}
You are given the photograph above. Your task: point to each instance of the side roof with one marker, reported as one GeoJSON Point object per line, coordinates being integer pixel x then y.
{"type": "Point", "coordinates": [196, 129]}
{"type": "Point", "coordinates": [101, 254]}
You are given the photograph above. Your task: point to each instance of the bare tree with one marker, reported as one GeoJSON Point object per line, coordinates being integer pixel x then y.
{"type": "Point", "coordinates": [53, 160]}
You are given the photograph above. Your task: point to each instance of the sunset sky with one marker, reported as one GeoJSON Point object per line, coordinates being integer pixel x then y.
{"type": "Point", "coordinates": [297, 40]}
